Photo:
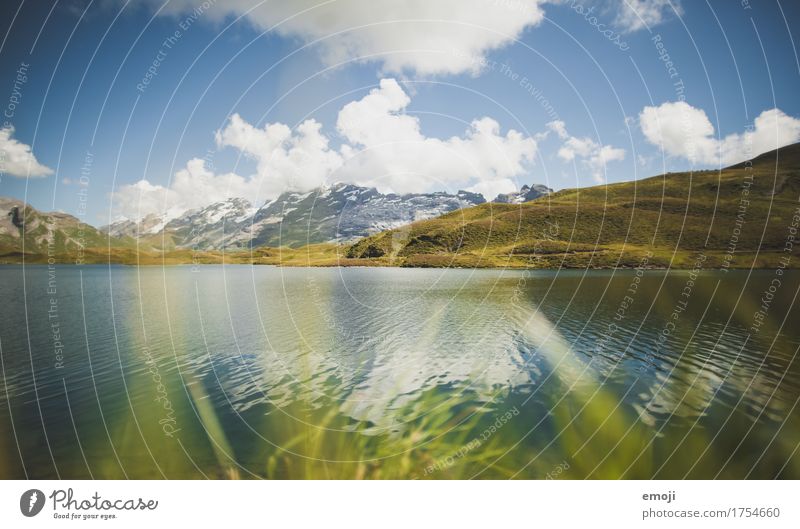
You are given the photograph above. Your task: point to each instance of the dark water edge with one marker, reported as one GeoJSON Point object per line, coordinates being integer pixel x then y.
{"type": "Point", "coordinates": [270, 372]}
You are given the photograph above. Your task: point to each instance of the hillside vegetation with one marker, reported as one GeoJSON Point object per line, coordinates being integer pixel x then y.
{"type": "Point", "coordinates": [737, 217]}
{"type": "Point", "coordinates": [32, 233]}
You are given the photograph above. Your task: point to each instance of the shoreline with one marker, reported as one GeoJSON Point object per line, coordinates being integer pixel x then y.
{"type": "Point", "coordinates": [380, 266]}
{"type": "Point", "coordinates": [330, 256]}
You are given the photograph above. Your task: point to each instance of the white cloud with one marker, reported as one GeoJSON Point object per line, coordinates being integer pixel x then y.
{"type": "Point", "coordinates": [194, 186]}
{"type": "Point", "coordinates": [16, 158]}
{"type": "Point", "coordinates": [133, 201]}
{"type": "Point", "coordinates": [383, 147]}
{"type": "Point", "coordinates": [491, 188]}
{"type": "Point", "coordinates": [633, 15]}
{"type": "Point", "coordinates": [377, 117]}
{"type": "Point", "coordinates": [684, 131]}
{"type": "Point", "coordinates": [388, 150]}
{"type": "Point", "coordinates": [591, 153]}
{"type": "Point", "coordinates": [287, 160]}
{"type": "Point", "coordinates": [424, 36]}
{"type": "Point", "coordinates": [606, 154]}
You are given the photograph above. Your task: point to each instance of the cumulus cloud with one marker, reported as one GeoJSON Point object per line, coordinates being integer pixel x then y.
{"type": "Point", "coordinates": [142, 198]}
{"type": "Point", "coordinates": [193, 186]}
{"type": "Point", "coordinates": [17, 159]}
{"type": "Point", "coordinates": [684, 131]}
{"type": "Point", "coordinates": [387, 149]}
{"type": "Point", "coordinates": [382, 147]}
{"type": "Point", "coordinates": [594, 155]}
{"type": "Point", "coordinates": [633, 15]}
{"type": "Point", "coordinates": [287, 160]}
{"type": "Point", "coordinates": [427, 37]}
{"type": "Point", "coordinates": [491, 188]}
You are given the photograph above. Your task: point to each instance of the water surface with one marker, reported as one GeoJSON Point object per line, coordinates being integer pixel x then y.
{"type": "Point", "coordinates": [262, 372]}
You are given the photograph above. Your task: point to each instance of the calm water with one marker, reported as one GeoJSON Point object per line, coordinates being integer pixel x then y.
{"type": "Point", "coordinates": [245, 372]}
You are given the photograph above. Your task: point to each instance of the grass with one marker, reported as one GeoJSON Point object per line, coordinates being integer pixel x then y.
{"type": "Point", "coordinates": [312, 255]}
{"type": "Point", "coordinates": [669, 217]}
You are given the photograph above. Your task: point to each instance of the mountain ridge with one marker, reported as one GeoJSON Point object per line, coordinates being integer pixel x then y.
{"type": "Point", "coordinates": [662, 221]}
{"type": "Point", "coordinates": [336, 213]}
{"type": "Point", "coordinates": [670, 217]}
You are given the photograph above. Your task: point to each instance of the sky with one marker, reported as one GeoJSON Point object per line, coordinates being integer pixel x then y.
{"type": "Point", "coordinates": [115, 108]}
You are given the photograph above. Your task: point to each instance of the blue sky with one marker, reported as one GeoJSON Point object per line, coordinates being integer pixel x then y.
{"type": "Point", "coordinates": [233, 89]}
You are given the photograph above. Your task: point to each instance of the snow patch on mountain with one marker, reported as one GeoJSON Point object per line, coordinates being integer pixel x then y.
{"type": "Point", "coordinates": [335, 213]}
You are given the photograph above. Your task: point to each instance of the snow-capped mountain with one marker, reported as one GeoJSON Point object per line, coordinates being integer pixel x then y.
{"type": "Point", "coordinates": [149, 225]}
{"type": "Point", "coordinates": [344, 212]}
{"type": "Point", "coordinates": [212, 227]}
{"type": "Point", "coordinates": [526, 194]}
{"type": "Point", "coordinates": [341, 212]}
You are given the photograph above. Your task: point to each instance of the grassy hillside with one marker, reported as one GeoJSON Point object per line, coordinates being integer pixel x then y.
{"type": "Point", "coordinates": [54, 234]}
{"type": "Point", "coordinates": [39, 238]}
{"type": "Point", "coordinates": [311, 255]}
{"type": "Point", "coordinates": [740, 216]}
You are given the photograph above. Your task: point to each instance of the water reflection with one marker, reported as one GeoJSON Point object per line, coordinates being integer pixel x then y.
{"type": "Point", "coordinates": [241, 372]}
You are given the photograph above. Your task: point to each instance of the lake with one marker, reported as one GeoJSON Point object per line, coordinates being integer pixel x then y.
{"type": "Point", "coordinates": [263, 372]}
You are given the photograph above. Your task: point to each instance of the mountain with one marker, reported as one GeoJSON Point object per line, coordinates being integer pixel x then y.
{"type": "Point", "coordinates": [339, 213]}
{"type": "Point", "coordinates": [746, 215]}
{"type": "Point", "coordinates": [741, 216]}
{"type": "Point", "coordinates": [149, 225]}
{"type": "Point", "coordinates": [220, 225]}
{"type": "Point", "coordinates": [345, 212]}
{"type": "Point", "coordinates": [26, 230]}
{"type": "Point", "coordinates": [526, 194]}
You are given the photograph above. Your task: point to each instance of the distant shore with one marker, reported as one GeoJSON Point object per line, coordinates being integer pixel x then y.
{"type": "Point", "coordinates": [327, 256]}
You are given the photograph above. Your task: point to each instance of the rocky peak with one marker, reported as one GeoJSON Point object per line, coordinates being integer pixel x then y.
{"type": "Point", "coordinates": [525, 194]}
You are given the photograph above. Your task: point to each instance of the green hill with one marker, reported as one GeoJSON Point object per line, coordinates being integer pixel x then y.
{"type": "Point", "coordinates": [39, 236]}
{"type": "Point", "coordinates": [30, 236]}
{"type": "Point", "coordinates": [738, 217]}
